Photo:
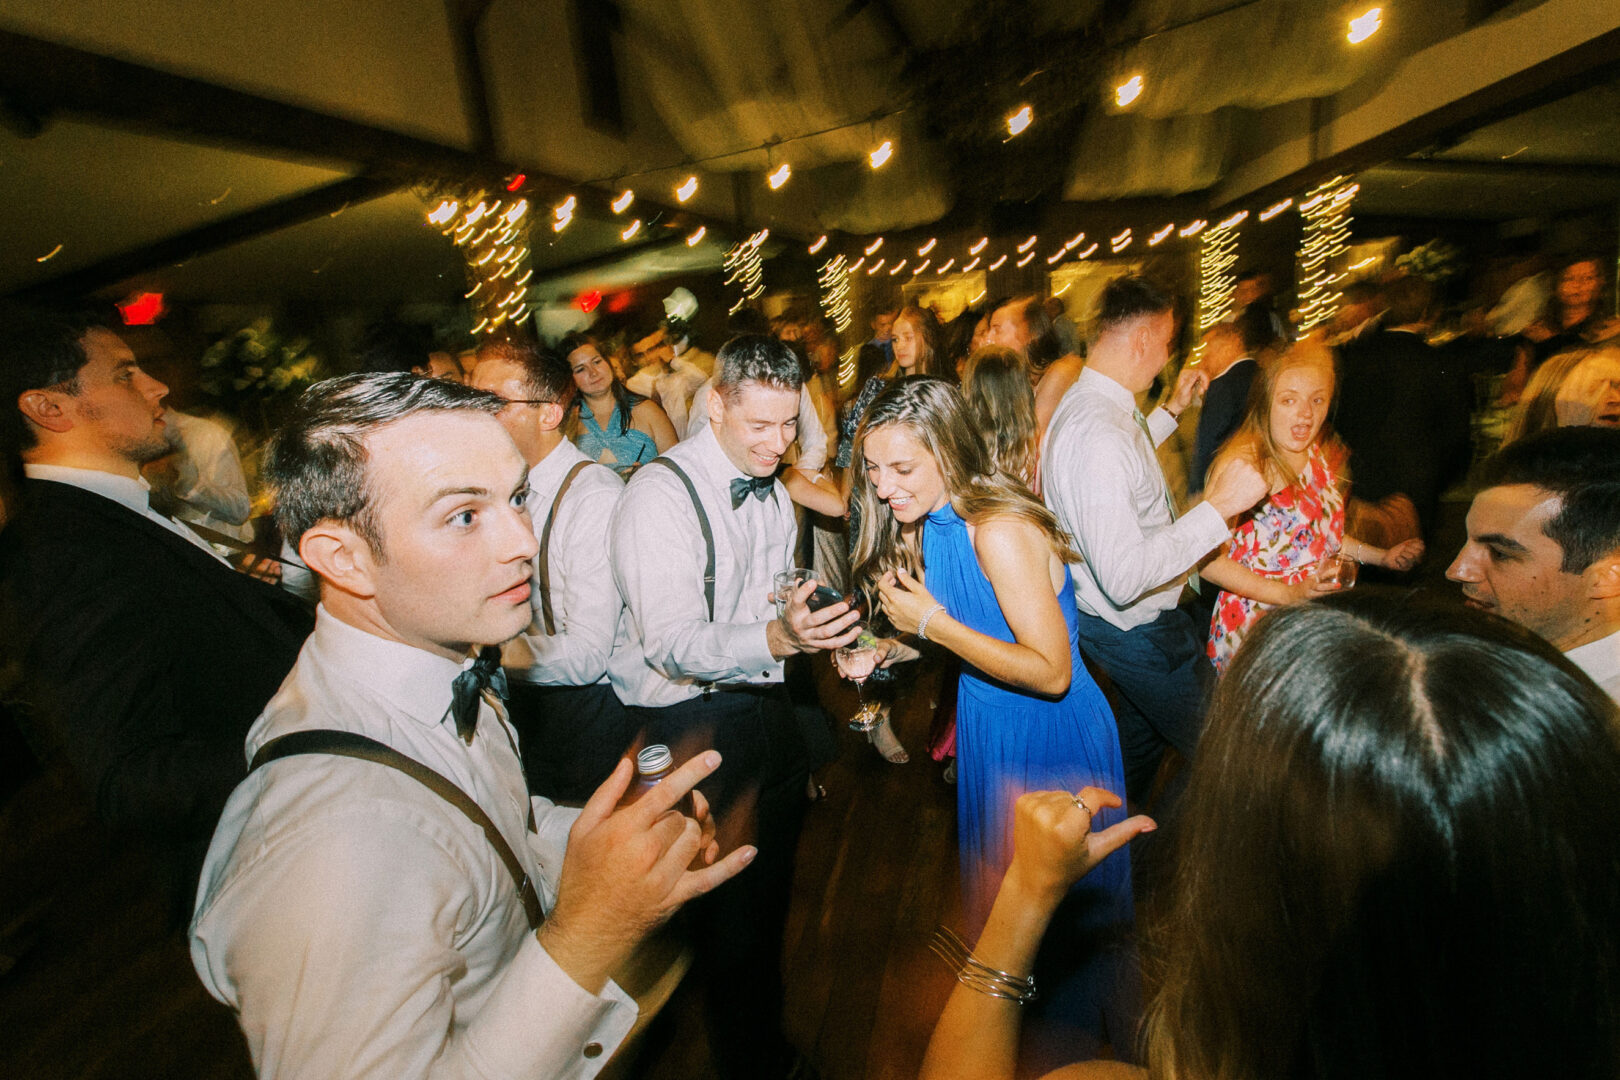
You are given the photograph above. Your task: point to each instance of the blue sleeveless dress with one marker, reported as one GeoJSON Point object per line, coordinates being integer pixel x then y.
{"type": "Point", "coordinates": [1009, 741]}
{"type": "Point", "coordinates": [630, 447]}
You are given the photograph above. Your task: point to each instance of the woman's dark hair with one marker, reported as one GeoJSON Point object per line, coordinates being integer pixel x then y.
{"type": "Point", "coordinates": [870, 362]}
{"type": "Point", "coordinates": [1397, 859]}
{"type": "Point", "coordinates": [573, 342]}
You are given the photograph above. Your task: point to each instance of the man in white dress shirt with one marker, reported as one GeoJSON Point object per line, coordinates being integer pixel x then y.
{"type": "Point", "coordinates": [1101, 478]}
{"type": "Point", "coordinates": [571, 726]}
{"type": "Point", "coordinates": [358, 922]}
{"type": "Point", "coordinates": [705, 668]}
{"type": "Point", "coordinates": [1544, 544]}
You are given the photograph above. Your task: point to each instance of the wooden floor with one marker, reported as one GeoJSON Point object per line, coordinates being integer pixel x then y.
{"type": "Point", "coordinates": [89, 991]}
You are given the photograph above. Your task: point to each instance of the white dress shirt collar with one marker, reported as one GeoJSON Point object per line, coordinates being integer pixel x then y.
{"type": "Point", "coordinates": [132, 492]}
{"type": "Point", "coordinates": [412, 681]}
{"type": "Point", "coordinates": [546, 476]}
{"type": "Point", "coordinates": [1092, 381]}
{"type": "Point", "coordinates": [1601, 660]}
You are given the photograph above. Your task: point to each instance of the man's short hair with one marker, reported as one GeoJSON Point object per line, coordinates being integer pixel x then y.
{"type": "Point", "coordinates": [1581, 465]}
{"type": "Point", "coordinates": [315, 465]}
{"type": "Point", "coordinates": [545, 372]}
{"type": "Point", "coordinates": [1408, 300]}
{"type": "Point", "coordinates": [41, 349]}
{"type": "Point", "coordinates": [1255, 327]}
{"type": "Point", "coordinates": [756, 358]}
{"type": "Point", "coordinates": [394, 346]}
{"type": "Point", "coordinates": [1126, 299]}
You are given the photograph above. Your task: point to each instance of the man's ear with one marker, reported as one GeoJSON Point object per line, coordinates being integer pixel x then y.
{"type": "Point", "coordinates": [43, 408]}
{"type": "Point", "coordinates": [717, 405]}
{"type": "Point", "coordinates": [341, 557]}
{"type": "Point", "coordinates": [1603, 577]}
{"type": "Point", "coordinates": [551, 415]}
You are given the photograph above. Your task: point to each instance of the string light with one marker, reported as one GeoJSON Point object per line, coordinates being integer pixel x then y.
{"type": "Point", "coordinates": [926, 248]}
{"type": "Point", "coordinates": [856, 265]}
{"type": "Point", "coordinates": [874, 268]}
{"type": "Point", "coordinates": [687, 189]}
{"type": "Point", "coordinates": [880, 157]}
{"type": "Point", "coordinates": [1274, 209]}
{"type": "Point", "coordinates": [635, 227]}
{"type": "Point", "coordinates": [1027, 244]}
{"type": "Point", "coordinates": [834, 281]}
{"type": "Point", "coordinates": [1217, 277]}
{"type": "Point", "coordinates": [746, 269]}
{"type": "Point", "coordinates": [1121, 242]}
{"type": "Point", "coordinates": [976, 248]}
{"type": "Point", "coordinates": [819, 244]}
{"type": "Point", "coordinates": [1064, 289]}
{"type": "Point", "coordinates": [493, 254]}
{"type": "Point", "coordinates": [920, 267]}
{"type": "Point", "coordinates": [872, 248]}
{"type": "Point", "coordinates": [780, 176]}
{"type": "Point", "coordinates": [1019, 121]}
{"type": "Point", "coordinates": [697, 237]}
{"type": "Point", "coordinates": [1365, 25]}
{"type": "Point", "coordinates": [622, 203]}
{"type": "Point", "coordinates": [1025, 260]}
{"type": "Point", "coordinates": [997, 264]}
{"type": "Point", "coordinates": [1235, 220]}
{"type": "Point", "coordinates": [1074, 241]}
{"type": "Point", "coordinates": [976, 299]}
{"type": "Point", "coordinates": [1052, 259]}
{"type": "Point", "coordinates": [1128, 91]}
{"type": "Point", "coordinates": [1163, 234]}
{"type": "Point", "coordinates": [561, 214]}
{"type": "Point", "coordinates": [945, 267]}
{"type": "Point", "coordinates": [897, 267]}
{"type": "Point", "coordinates": [1090, 250]}
{"type": "Point", "coordinates": [1326, 210]}
{"type": "Point", "coordinates": [1193, 228]}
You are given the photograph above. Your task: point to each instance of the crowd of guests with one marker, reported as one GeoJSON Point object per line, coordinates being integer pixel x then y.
{"type": "Point", "coordinates": [401, 824]}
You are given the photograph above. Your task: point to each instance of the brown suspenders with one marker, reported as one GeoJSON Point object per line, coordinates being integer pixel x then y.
{"type": "Point", "coordinates": [544, 558]}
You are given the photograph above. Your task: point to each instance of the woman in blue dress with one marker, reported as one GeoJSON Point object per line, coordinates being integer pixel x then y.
{"type": "Point", "coordinates": [968, 559]}
{"type": "Point", "coordinates": [620, 429]}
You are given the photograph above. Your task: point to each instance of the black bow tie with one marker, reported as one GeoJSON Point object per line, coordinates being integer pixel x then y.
{"type": "Point", "coordinates": [761, 486]}
{"type": "Point", "coordinates": [486, 673]}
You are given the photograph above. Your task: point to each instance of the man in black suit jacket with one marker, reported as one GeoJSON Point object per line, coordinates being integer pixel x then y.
{"type": "Point", "coordinates": [143, 657]}
{"type": "Point", "coordinates": [1403, 408]}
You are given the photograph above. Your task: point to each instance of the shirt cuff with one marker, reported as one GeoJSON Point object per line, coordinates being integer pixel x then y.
{"type": "Point", "coordinates": [751, 644]}
{"type": "Point", "coordinates": [1205, 522]}
{"type": "Point", "coordinates": [540, 1023]}
{"type": "Point", "coordinates": [1161, 424]}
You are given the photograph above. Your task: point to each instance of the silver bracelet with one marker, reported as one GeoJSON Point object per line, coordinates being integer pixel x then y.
{"type": "Point", "coordinates": [922, 623]}
{"type": "Point", "coordinates": [977, 975]}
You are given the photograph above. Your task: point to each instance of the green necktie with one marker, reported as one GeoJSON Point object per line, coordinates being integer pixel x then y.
{"type": "Point", "coordinates": [1169, 504]}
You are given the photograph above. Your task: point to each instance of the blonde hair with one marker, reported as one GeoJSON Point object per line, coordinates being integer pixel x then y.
{"type": "Point", "coordinates": [1537, 410]}
{"type": "Point", "coordinates": [934, 412]}
{"type": "Point", "coordinates": [1253, 436]}
{"type": "Point", "coordinates": [1002, 405]}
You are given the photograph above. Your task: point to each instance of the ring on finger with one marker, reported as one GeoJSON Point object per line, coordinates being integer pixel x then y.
{"type": "Point", "coordinates": [1081, 803]}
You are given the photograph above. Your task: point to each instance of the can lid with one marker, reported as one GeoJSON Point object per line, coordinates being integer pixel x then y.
{"type": "Point", "coordinates": [654, 759]}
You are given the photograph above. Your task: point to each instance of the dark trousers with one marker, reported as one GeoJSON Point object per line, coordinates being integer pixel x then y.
{"type": "Point", "coordinates": [1160, 677]}
{"type": "Point", "coordinates": [570, 737]}
{"type": "Point", "coordinates": [757, 796]}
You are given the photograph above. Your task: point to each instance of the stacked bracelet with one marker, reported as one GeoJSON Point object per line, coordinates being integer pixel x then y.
{"type": "Point", "coordinates": [922, 623]}
{"type": "Point", "coordinates": [973, 974]}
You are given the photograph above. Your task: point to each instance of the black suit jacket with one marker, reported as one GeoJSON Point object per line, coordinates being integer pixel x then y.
{"type": "Point", "coordinates": [1403, 410]}
{"type": "Point", "coordinates": [143, 661]}
{"type": "Point", "coordinates": [1226, 403]}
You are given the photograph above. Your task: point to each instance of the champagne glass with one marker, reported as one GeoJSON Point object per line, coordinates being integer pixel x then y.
{"type": "Point", "coordinates": [856, 662]}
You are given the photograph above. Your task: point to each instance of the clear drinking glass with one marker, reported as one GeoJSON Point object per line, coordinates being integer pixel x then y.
{"type": "Point", "coordinates": [785, 582]}
{"type": "Point", "coordinates": [1338, 569]}
{"type": "Point", "coordinates": [856, 662]}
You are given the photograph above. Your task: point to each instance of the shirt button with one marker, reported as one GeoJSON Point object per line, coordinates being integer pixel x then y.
{"type": "Point", "coordinates": [593, 1049]}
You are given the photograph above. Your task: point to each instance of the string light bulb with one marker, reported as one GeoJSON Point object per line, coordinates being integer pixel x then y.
{"type": "Point", "coordinates": [629, 233]}
{"type": "Point", "coordinates": [819, 244]}
{"type": "Point", "coordinates": [872, 248]}
{"type": "Point", "coordinates": [880, 156]}
{"type": "Point", "coordinates": [779, 176]}
{"type": "Point", "coordinates": [1128, 91]}
{"type": "Point", "coordinates": [1365, 25]}
{"type": "Point", "coordinates": [744, 268]}
{"type": "Point", "coordinates": [495, 253]}
{"type": "Point", "coordinates": [1274, 209]}
{"type": "Point", "coordinates": [1326, 210]}
{"type": "Point", "coordinates": [1027, 244]}
{"type": "Point", "coordinates": [445, 211]}
{"type": "Point", "coordinates": [945, 266]}
{"type": "Point", "coordinates": [1019, 121]}
{"type": "Point", "coordinates": [997, 264]}
{"type": "Point", "coordinates": [976, 248]}
{"type": "Point", "coordinates": [687, 189]}
{"type": "Point", "coordinates": [697, 237]}
{"type": "Point", "coordinates": [926, 248]}
{"type": "Point", "coordinates": [1159, 237]}
{"type": "Point", "coordinates": [971, 266]}
{"type": "Point", "coordinates": [622, 203]}
{"type": "Point", "coordinates": [561, 214]}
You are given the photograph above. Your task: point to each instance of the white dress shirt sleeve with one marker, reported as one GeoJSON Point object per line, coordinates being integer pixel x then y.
{"type": "Point", "coordinates": [658, 559]}
{"type": "Point", "coordinates": [697, 418]}
{"type": "Point", "coordinates": [1161, 425]}
{"type": "Point", "coordinates": [341, 963]}
{"type": "Point", "coordinates": [584, 600]}
{"type": "Point", "coordinates": [812, 436]}
{"type": "Point", "coordinates": [1125, 559]}
{"type": "Point", "coordinates": [210, 472]}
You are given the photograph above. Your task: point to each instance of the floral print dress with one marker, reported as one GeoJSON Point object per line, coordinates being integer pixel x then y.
{"type": "Point", "coordinates": [1284, 538]}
